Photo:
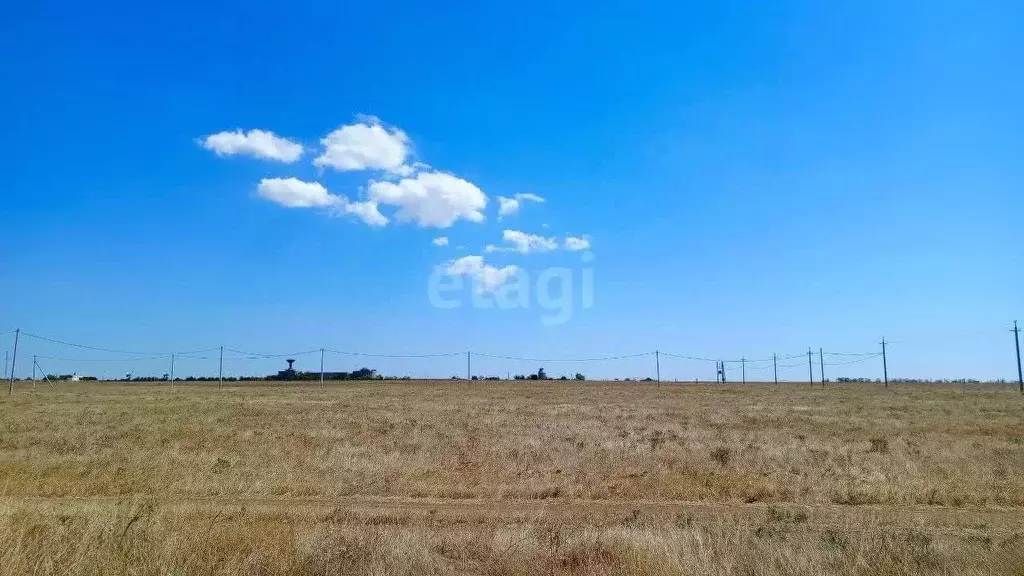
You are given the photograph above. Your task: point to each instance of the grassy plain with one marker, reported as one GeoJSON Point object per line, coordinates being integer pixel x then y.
{"type": "Point", "coordinates": [512, 478]}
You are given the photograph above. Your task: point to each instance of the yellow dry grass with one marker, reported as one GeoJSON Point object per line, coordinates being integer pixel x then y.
{"type": "Point", "coordinates": [512, 478]}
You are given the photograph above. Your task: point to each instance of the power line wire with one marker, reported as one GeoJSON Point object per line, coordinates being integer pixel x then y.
{"type": "Point", "coordinates": [437, 355]}
{"type": "Point", "coordinates": [109, 350]}
{"type": "Point", "coordinates": [852, 361]}
{"type": "Point", "coordinates": [161, 357]}
{"type": "Point", "coordinates": [257, 356]}
{"type": "Point", "coordinates": [84, 346]}
{"type": "Point", "coordinates": [601, 359]}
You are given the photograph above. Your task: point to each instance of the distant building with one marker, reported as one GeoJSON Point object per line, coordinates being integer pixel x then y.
{"type": "Point", "coordinates": [290, 373]}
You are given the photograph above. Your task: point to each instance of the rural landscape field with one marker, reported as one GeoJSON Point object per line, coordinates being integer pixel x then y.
{"type": "Point", "coordinates": [511, 478]}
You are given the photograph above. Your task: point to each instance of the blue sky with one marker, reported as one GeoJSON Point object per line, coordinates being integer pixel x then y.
{"type": "Point", "coordinates": [750, 179]}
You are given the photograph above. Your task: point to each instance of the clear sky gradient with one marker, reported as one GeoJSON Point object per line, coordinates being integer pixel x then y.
{"type": "Point", "coordinates": [752, 177]}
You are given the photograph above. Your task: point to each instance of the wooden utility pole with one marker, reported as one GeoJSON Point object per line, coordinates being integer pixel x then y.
{"type": "Point", "coordinates": [657, 365]}
{"type": "Point", "coordinates": [885, 364]}
{"type": "Point", "coordinates": [810, 366]}
{"type": "Point", "coordinates": [775, 367]}
{"type": "Point", "coordinates": [14, 362]}
{"type": "Point", "coordinates": [469, 365]}
{"type": "Point", "coordinates": [1017, 342]}
{"type": "Point", "coordinates": [821, 360]}
{"type": "Point", "coordinates": [172, 371]}
{"type": "Point", "coordinates": [321, 367]}
{"type": "Point", "coordinates": [743, 370]}
{"type": "Point", "coordinates": [220, 369]}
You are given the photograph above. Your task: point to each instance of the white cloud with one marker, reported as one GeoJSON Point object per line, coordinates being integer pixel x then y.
{"type": "Point", "coordinates": [367, 145]}
{"type": "Point", "coordinates": [440, 241]}
{"type": "Point", "coordinates": [510, 206]}
{"type": "Point", "coordinates": [431, 199]}
{"type": "Point", "coordinates": [486, 278]}
{"type": "Point", "coordinates": [507, 206]}
{"type": "Point", "coordinates": [294, 193]}
{"type": "Point", "coordinates": [576, 244]}
{"type": "Point", "coordinates": [258, 143]}
{"type": "Point", "coordinates": [417, 192]}
{"type": "Point", "coordinates": [523, 243]}
{"type": "Point", "coordinates": [366, 211]}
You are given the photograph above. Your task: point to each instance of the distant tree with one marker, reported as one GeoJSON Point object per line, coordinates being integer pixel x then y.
{"type": "Point", "coordinates": [564, 377]}
{"type": "Point", "coordinates": [541, 374]}
{"type": "Point", "coordinates": [580, 376]}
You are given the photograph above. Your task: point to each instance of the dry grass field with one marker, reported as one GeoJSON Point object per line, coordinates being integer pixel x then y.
{"type": "Point", "coordinates": [512, 478]}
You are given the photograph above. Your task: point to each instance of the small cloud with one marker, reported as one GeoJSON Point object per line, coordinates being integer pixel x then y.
{"type": "Point", "coordinates": [367, 145]}
{"type": "Point", "coordinates": [509, 206]}
{"type": "Point", "coordinates": [431, 199]}
{"type": "Point", "coordinates": [523, 243]}
{"type": "Point", "coordinates": [256, 143]}
{"type": "Point", "coordinates": [576, 244]}
{"type": "Point", "coordinates": [295, 193]}
{"type": "Point", "coordinates": [366, 211]}
{"type": "Point", "coordinates": [486, 278]}
{"type": "Point", "coordinates": [440, 241]}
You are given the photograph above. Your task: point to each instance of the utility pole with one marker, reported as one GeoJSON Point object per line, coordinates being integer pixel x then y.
{"type": "Point", "coordinates": [14, 361]}
{"type": "Point", "coordinates": [172, 370]}
{"type": "Point", "coordinates": [810, 366]}
{"type": "Point", "coordinates": [821, 361]}
{"type": "Point", "coordinates": [469, 365]}
{"type": "Point", "coordinates": [33, 370]}
{"type": "Point", "coordinates": [885, 365]}
{"type": "Point", "coordinates": [657, 366]}
{"type": "Point", "coordinates": [43, 372]}
{"type": "Point", "coordinates": [220, 370]}
{"type": "Point", "coordinates": [321, 367]}
{"type": "Point", "coordinates": [743, 369]}
{"type": "Point", "coordinates": [1016, 341]}
{"type": "Point", "coordinates": [775, 367]}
